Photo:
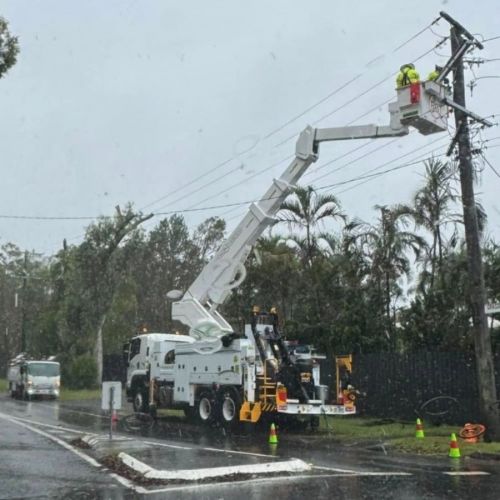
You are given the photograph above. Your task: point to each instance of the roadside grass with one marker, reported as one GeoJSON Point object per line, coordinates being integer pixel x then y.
{"type": "Point", "coordinates": [171, 413]}
{"type": "Point", "coordinates": [79, 394]}
{"type": "Point", "coordinates": [3, 385]}
{"type": "Point", "coordinates": [400, 435]}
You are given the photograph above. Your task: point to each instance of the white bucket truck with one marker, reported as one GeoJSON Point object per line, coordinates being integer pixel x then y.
{"type": "Point", "coordinates": [218, 374]}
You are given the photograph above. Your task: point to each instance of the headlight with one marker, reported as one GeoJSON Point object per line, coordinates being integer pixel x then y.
{"type": "Point", "coordinates": [57, 384]}
{"type": "Point", "coordinates": [30, 383]}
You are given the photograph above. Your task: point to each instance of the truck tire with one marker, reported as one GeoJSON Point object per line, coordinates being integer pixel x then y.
{"type": "Point", "coordinates": [140, 400]}
{"type": "Point", "coordinates": [229, 405]}
{"type": "Point", "coordinates": [206, 407]}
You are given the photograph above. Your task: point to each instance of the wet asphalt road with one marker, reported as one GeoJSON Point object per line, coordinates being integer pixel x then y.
{"type": "Point", "coordinates": [28, 459]}
{"type": "Point", "coordinates": [31, 466]}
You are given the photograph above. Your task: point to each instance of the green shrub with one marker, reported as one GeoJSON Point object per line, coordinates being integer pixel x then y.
{"type": "Point", "coordinates": [80, 373]}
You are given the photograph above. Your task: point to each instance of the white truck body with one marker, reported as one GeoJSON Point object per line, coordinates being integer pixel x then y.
{"type": "Point", "coordinates": [30, 378]}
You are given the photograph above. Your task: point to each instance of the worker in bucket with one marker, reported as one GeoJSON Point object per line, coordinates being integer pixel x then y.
{"type": "Point", "coordinates": [407, 74]}
{"type": "Point", "coordinates": [434, 74]}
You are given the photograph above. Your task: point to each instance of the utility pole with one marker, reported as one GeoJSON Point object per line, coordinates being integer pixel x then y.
{"type": "Point", "coordinates": [23, 303]}
{"type": "Point", "coordinates": [460, 39]}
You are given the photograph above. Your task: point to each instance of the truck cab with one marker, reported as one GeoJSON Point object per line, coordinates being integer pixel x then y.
{"type": "Point", "coordinates": [31, 378]}
{"type": "Point", "coordinates": [149, 356]}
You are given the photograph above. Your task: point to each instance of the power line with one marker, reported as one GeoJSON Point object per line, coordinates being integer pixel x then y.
{"type": "Point", "coordinates": [490, 39]}
{"type": "Point", "coordinates": [490, 165]}
{"type": "Point", "coordinates": [362, 94]}
{"type": "Point", "coordinates": [369, 174]}
{"type": "Point", "coordinates": [372, 173]}
{"type": "Point", "coordinates": [220, 165]}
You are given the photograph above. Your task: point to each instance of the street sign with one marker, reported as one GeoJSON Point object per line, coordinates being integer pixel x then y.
{"type": "Point", "coordinates": [111, 396]}
{"type": "Point", "coordinates": [492, 308]}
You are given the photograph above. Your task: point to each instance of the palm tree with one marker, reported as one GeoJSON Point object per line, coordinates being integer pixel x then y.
{"type": "Point", "coordinates": [386, 245]}
{"type": "Point", "coordinates": [432, 209]}
{"type": "Point", "coordinates": [306, 209]}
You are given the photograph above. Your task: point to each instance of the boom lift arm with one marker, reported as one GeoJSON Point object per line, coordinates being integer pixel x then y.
{"type": "Point", "coordinates": [226, 269]}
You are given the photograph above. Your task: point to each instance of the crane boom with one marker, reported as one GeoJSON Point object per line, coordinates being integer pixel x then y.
{"type": "Point", "coordinates": [226, 269]}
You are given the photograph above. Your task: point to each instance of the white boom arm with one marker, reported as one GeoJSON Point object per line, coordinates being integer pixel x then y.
{"type": "Point", "coordinates": [226, 269]}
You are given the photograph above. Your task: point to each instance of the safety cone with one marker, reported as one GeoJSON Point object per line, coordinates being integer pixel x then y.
{"type": "Point", "coordinates": [454, 449]}
{"type": "Point", "coordinates": [114, 417]}
{"type": "Point", "coordinates": [273, 437]}
{"type": "Point", "coordinates": [419, 430]}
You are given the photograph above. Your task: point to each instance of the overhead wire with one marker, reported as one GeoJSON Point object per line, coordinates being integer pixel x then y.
{"type": "Point", "coordinates": [368, 174]}
{"type": "Point", "coordinates": [372, 173]}
{"type": "Point", "coordinates": [295, 135]}
{"type": "Point", "coordinates": [220, 165]}
{"type": "Point", "coordinates": [490, 39]}
{"type": "Point", "coordinates": [317, 103]}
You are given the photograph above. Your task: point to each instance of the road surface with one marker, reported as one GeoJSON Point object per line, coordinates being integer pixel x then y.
{"type": "Point", "coordinates": [35, 463]}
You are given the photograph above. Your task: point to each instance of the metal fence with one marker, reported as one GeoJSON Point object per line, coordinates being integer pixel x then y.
{"type": "Point", "coordinates": [437, 385]}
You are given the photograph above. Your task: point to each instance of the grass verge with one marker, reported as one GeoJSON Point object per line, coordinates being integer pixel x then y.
{"type": "Point", "coordinates": [79, 394]}
{"type": "Point", "coordinates": [3, 385]}
{"type": "Point", "coordinates": [400, 435]}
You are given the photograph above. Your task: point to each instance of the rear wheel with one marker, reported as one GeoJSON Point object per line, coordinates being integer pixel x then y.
{"type": "Point", "coordinates": [205, 407]}
{"type": "Point", "coordinates": [229, 406]}
{"type": "Point", "coordinates": [140, 401]}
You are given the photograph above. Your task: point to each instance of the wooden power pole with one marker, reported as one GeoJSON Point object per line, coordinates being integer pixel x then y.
{"type": "Point", "coordinates": [485, 369]}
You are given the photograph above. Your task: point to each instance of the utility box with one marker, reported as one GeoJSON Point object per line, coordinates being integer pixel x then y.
{"type": "Point", "coordinates": [420, 105]}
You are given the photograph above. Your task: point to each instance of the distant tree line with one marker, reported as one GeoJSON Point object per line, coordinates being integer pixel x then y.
{"type": "Point", "coordinates": [398, 284]}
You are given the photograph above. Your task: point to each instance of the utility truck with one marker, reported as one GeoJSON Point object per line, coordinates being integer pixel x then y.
{"type": "Point", "coordinates": [28, 378]}
{"type": "Point", "coordinates": [216, 373]}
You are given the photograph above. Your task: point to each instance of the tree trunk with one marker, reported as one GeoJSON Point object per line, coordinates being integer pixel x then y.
{"type": "Point", "coordinates": [99, 349]}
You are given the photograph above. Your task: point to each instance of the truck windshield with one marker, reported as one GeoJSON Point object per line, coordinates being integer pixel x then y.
{"type": "Point", "coordinates": [206, 330]}
{"type": "Point", "coordinates": [43, 369]}
{"type": "Point", "coordinates": [302, 349]}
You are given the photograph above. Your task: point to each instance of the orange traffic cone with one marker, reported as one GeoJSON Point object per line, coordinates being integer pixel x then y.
{"type": "Point", "coordinates": [114, 417]}
{"type": "Point", "coordinates": [454, 449]}
{"type": "Point", "coordinates": [273, 437]}
{"type": "Point", "coordinates": [419, 430]}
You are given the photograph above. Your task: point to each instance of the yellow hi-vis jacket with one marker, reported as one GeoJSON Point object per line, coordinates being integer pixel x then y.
{"type": "Point", "coordinates": [406, 76]}
{"type": "Point", "coordinates": [433, 75]}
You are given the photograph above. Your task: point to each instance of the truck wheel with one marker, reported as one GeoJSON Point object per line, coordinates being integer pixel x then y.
{"type": "Point", "coordinates": [140, 401]}
{"type": "Point", "coordinates": [229, 406]}
{"type": "Point", "coordinates": [205, 407]}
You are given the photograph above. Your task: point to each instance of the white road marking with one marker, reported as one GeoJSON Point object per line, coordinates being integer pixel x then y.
{"type": "Point", "coordinates": [56, 427]}
{"type": "Point", "coordinates": [165, 445]}
{"type": "Point", "coordinates": [123, 481]}
{"type": "Point", "coordinates": [231, 484]}
{"type": "Point", "coordinates": [334, 469]}
{"type": "Point", "coordinates": [63, 407]}
{"type": "Point", "coordinates": [293, 465]}
{"type": "Point", "coordinates": [60, 442]}
{"type": "Point", "coordinates": [467, 473]}
{"type": "Point", "coordinates": [221, 450]}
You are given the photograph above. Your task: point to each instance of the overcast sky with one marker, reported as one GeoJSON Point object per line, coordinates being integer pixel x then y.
{"type": "Point", "coordinates": [121, 101]}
